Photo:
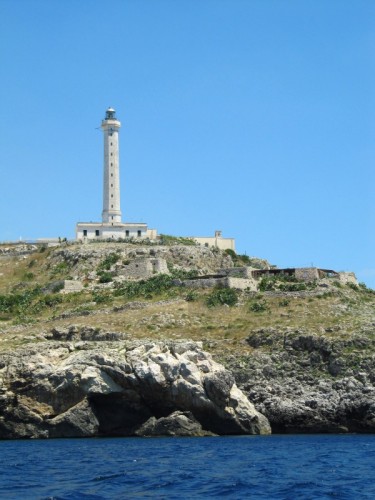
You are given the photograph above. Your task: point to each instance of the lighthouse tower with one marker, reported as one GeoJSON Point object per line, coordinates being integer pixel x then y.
{"type": "Point", "coordinates": [111, 227]}
{"type": "Point", "coordinates": [111, 181]}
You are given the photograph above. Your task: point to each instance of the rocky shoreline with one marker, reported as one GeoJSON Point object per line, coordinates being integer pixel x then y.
{"type": "Point", "coordinates": [308, 383]}
{"type": "Point", "coordinates": [85, 383]}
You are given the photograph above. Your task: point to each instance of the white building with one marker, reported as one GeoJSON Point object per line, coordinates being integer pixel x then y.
{"type": "Point", "coordinates": [112, 226]}
{"type": "Point", "coordinates": [216, 241]}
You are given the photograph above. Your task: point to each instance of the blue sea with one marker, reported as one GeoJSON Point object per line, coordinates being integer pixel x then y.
{"type": "Point", "coordinates": [271, 467]}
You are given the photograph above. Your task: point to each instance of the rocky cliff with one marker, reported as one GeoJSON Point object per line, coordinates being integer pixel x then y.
{"type": "Point", "coordinates": [308, 382]}
{"type": "Point", "coordinates": [80, 382]}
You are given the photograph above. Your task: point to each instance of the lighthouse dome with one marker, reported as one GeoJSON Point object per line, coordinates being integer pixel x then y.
{"type": "Point", "coordinates": [110, 114]}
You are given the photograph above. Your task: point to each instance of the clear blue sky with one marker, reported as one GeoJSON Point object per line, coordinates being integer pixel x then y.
{"type": "Point", "coordinates": [255, 117]}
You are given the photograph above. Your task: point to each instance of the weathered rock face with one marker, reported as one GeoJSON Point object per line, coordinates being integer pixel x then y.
{"type": "Point", "coordinates": [16, 250]}
{"type": "Point", "coordinates": [83, 259]}
{"type": "Point", "coordinates": [76, 385]}
{"type": "Point", "coordinates": [304, 382]}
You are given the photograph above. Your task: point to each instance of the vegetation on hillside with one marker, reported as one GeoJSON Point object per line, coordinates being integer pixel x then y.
{"type": "Point", "coordinates": [245, 260]}
{"type": "Point", "coordinates": [30, 296]}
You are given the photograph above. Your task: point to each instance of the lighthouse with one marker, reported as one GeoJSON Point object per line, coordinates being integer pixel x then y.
{"type": "Point", "coordinates": [111, 172]}
{"type": "Point", "coordinates": [112, 227]}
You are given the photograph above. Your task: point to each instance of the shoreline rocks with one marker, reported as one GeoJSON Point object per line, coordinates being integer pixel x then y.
{"type": "Point", "coordinates": [84, 383]}
{"type": "Point", "coordinates": [308, 383]}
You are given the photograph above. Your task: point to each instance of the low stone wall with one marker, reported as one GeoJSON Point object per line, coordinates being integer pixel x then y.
{"type": "Point", "coordinates": [224, 282]}
{"type": "Point", "coordinates": [142, 268]}
{"type": "Point", "coordinates": [241, 284]}
{"type": "Point", "coordinates": [205, 283]}
{"type": "Point", "coordinates": [71, 286]}
{"type": "Point", "coordinates": [17, 249]}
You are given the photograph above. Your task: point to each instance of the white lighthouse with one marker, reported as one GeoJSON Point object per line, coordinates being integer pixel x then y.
{"type": "Point", "coordinates": [112, 226]}
{"type": "Point", "coordinates": [111, 180]}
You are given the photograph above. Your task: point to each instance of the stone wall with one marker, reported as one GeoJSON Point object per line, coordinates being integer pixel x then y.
{"type": "Point", "coordinates": [241, 284]}
{"type": "Point", "coordinates": [17, 249]}
{"type": "Point", "coordinates": [223, 282]}
{"type": "Point", "coordinates": [307, 273]}
{"type": "Point", "coordinates": [347, 278]}
{"type": "Point", "coordinates": [71, 286]}
{"type": "Point", "coordinates": [141, 268]}
{"type": "Point", "coordinates": [205, 282]}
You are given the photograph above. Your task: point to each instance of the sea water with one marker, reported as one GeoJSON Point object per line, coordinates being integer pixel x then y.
{"type": "Point", "coordinates": [266, 467]}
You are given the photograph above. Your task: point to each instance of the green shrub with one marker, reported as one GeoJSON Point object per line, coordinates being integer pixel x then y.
{"type": "Point", "coordinates": [191, 296]}
{"type": "Point", "coordinates": [181, 273]}
{"type": "Point", "coordinates": [108, 262]}
{"type": "Point", "coordinates": [222, 296]}
{"type": "Point", "coordinates": [105, 277]}
{"type": "Point", "coordinates": [284, 283]}
{"type": "Point", "coordinates": [18, 303]}
{"type": "Point", "coordinates": [231, 253]}
{"type": "Point", "coordinates": [28, 276]}
{"type": "Point", "coordinates": [145, 288]}
{"type": "Point", "coordinates": [166, 239]}
{"type": "Point", "coordinates": [284, 302]}
{"type": "Point", "coordinates": [50, 300]}
{"type": "Point", "coordinates": [57, 287]}
{"type": "Point", "coordinates": [353, 286]}
{"type": "Point", "coordinates": [267, 283]}
{"type": "Point", "coordinates": [60, 268]}
{"type": "Point", "coordinates": [102, 297]}
{"type": "Point", "coordinates": [258, 306]}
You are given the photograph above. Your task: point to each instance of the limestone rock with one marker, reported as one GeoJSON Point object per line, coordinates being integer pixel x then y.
{"type": "Point", "coordinates": [78, 421]}
{"type": "Point", "coordinates": [305, 382]}
{"type": "Point", "coordinates": [177, 423]}
{"type": "Point", "coordinates": [107, 386]}
{"type": "Point", "coordinates": [82, 259]}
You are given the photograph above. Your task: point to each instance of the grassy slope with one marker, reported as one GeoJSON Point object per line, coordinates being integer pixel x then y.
{"type": "Point", "coordinates": [338, 314]}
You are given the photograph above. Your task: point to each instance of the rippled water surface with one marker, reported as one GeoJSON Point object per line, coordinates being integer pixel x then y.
{"type": "Point", "coordinates": [282, 467]}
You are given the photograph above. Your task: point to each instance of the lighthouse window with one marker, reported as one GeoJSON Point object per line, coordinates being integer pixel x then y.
{"type": "Point", "coordinates": [111, 164]}
{"type": "Point", "coordinates": [85, 232]}
{"type": "Point", "coordinates": [97, 233]}
{"type": "Point", "coordinates": [111, 175]}
{"type": "Point", "coordinates": [139, 234]}
{"type": "Point", "coordinates": [126, 233]}
{"type": "Point", "coordinates": [111, 185]}
{"type": "Point", "coordinates": [111, 154]}
{"type": "Point", "coordinates": [111, 195]}
{"type": "Point", "coordinates": [111, 144]}
{"type": "Point", "coordinates": [112, 207]}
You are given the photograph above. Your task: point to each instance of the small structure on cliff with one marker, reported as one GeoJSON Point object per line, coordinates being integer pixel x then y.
{"type": "Point", "coordinates": [216, 241]}
{"type": "Point", "coordinates": [248, 278]}
{"type": "Point", "coordinates": [306, 274]}
{"type": "Point", "coordinates": [143, 268]}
